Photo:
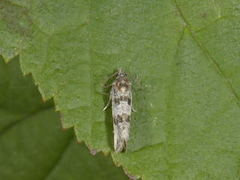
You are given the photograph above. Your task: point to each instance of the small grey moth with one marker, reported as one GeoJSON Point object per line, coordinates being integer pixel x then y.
{"type": "Point", "coordinates": [121, 99]}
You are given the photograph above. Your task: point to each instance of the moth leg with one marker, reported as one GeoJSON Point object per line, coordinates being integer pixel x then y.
{"type": "Point", "coordinates": [114, 74]}
{"type": "Point", "coordinates": [108, 103]}
{"type": "Point", "coordinates": [133, 109]}
{"type": "Point", "coordinates": [107, 86]}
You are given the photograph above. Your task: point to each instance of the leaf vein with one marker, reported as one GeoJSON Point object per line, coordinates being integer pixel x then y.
{"type": "Point", "coordinates": [57, 161]}
{"type": "Point", "coordinates": [209, 56]}
{"type": "Point", "coordinates": [27, 116]}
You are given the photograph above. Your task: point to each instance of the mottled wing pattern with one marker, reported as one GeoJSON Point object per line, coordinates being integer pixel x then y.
{"type": "Point", "coordinates": [121, 96]}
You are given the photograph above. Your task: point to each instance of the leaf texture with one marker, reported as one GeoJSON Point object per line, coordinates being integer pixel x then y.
{"type": "Point", "coordinates": [184, 54]}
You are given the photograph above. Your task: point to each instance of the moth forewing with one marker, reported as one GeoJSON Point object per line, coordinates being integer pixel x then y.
{"type": "Point", "coordinates": [121, 98]}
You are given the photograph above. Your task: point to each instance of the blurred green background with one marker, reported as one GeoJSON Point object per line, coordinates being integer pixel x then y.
{"type": "Point", "coordinates": [32, 143]}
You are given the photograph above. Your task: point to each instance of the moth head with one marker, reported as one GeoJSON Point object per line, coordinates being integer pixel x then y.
{"type": "Point", "coordinates": [121, 74]}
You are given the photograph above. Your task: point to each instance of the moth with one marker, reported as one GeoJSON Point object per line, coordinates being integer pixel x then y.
{"type": "Point", "coordinates": [121, 99]}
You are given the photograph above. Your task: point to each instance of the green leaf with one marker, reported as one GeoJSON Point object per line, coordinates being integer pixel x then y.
{"type": "Point", "coordinates": [33, 145]}
{"type": "Point", "coordinates": [185, 55]}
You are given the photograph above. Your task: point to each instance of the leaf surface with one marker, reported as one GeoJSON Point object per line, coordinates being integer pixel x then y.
{"type": "Point", "coordinates": [185, 55]}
